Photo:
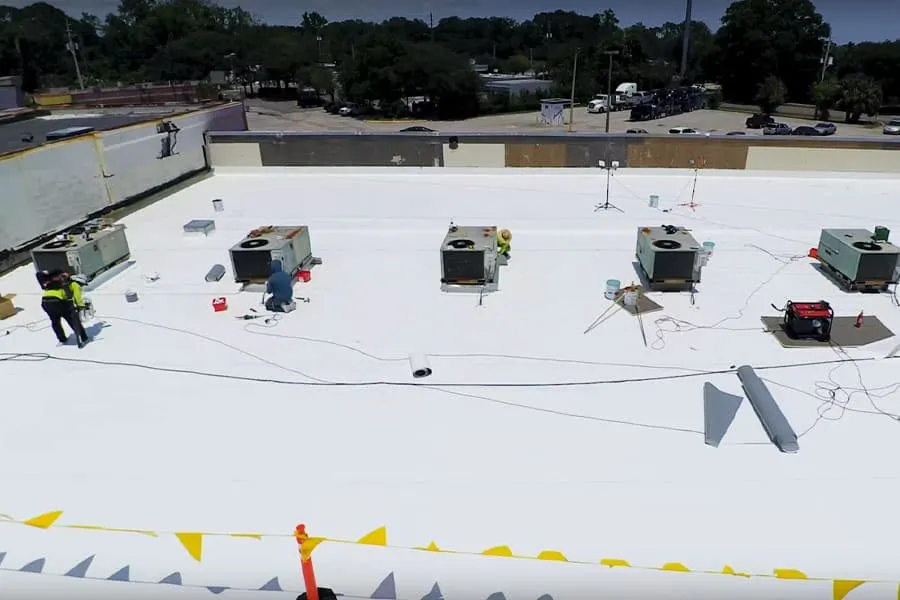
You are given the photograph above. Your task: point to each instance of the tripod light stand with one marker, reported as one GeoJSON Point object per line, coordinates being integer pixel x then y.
{"type": "Point", "coordinates": [609, 169]}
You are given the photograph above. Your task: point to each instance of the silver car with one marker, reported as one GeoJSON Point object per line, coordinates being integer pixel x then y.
{"type": "Point", "coordinates": [892, 127]}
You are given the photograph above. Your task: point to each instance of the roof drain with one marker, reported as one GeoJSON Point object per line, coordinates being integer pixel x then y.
{"type": "Point", "coordinates": [719, 410]}
{"type": "Point", "coordinates": [770, 416]}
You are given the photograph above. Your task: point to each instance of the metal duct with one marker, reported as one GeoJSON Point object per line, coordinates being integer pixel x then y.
{"type": "Point", "coordinates": [719, 410]}
{"type": "Point", "coordinates": [770, 416]}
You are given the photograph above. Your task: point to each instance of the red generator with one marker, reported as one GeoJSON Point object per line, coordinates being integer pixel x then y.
{"type": "Point", "coordinates": [808, 320]}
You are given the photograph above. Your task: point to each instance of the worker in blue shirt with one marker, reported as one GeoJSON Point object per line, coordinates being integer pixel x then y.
{"type": "Point", "coordinates": [62, 299]}
{"type": "Point", "coordinates": [280, 286]}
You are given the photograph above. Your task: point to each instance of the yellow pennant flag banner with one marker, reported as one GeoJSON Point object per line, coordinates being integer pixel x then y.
{"type": "Point", "coordinates": [192, 541]}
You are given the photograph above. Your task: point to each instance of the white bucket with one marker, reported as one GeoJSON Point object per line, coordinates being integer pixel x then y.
{"type": "Point", "coordinates": [630, 297]}
{"type": "Point", "coordinates": [709, 247]}
{"type": "Point", "coordinates": [612, 288]}
{"type": "Point", "coordinates": [218, 205]}
{"type": "Point", "coordinates": [654, 201]}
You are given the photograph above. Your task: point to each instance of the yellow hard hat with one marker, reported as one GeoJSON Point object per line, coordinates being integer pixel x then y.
{"type": "Point", "coordinates": [506, 234]}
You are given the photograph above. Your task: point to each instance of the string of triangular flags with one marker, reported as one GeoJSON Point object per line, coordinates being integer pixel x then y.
{"type": "Point", "coordinates": [80, 571]}
{"type": "Point", "coordinates": [193, 544]}
{"type": "Point", "coordinates": [386, 590]}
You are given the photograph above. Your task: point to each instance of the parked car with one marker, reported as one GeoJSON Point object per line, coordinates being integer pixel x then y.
{"type": "Point", "coordinates": [736, 133]}
{"type": "Point", "coordinates": [892, 127]}
{"type": "Point", "coordinates": [759, 120]}
{"type": "Point", "coordinates": [684, 131]}
{"type": "Point", "coordinates": [807, 130]}
{"type": "Point", "coordinates": [416, 129]}
{"type": "Point", "coordinates": [826, 128]}
{"type": "Point", "coordinates": [777, 129]}
{"type": "Point", "coordinates": [636, 131]}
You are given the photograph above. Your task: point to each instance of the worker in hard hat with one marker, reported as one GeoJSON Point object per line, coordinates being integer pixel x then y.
{"type": "Point", "coordinates": [504, 241]}
{"type": "Point", "coordinates": [62, 300]}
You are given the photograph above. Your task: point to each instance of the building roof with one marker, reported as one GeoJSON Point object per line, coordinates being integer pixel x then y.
{"type": "Point", "coordinates": [517, 83]}
{"type": "Point", "coordinates": [14, 136]}
{"type": "Point", "coordinates": [548, 424]}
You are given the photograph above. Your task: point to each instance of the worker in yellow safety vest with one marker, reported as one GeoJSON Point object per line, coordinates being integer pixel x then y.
{"type": "Point", "coordinates": [62, 299]}
{"type": "Point", "coordinates": [504, 241]}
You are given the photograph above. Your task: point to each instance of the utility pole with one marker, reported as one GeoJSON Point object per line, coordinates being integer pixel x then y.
{"type": "Point", "coordinates": [685, 44]}
{"type": "Point", "coordinates": [825, 60]}
{"type": "Point", "coordinates": [609, 89]}
{"type": "Point", "coordinates": [72, 46]}
{"type": "Point", "coordinates": [572, 104]}
{"type": "Point", "coordinates": [431, 24]}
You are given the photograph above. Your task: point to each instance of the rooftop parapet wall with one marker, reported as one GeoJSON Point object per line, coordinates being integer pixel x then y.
{"type": "Point", "coordinates": [493, 150]}
{"type": "Point", "coordinates": [55, 185]}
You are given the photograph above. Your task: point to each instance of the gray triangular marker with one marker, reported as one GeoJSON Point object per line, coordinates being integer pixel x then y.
{"type": "Point", "coordinates": [497, 596]}
{"type": "Point", "coordinates": [81, 569]}
{"type": "Point", "coordinates": [216, 590]}
{"type": "Point", "coordinates": [122, 574]}
{"type": "Point", "coordinates": [2, 556]}
{"type": "Point", "coordinates": [386, 590]}
{"type": "Point", "coordinates": [719, 410]}
{"type": "Point", "coordinates": [271, 585]}
{"type": "Point", "coordinates": [35, 566]}
{"type": "Point", "coordinates": [172, 579]}
{"type": "Point", "coordinates": [434, 594]}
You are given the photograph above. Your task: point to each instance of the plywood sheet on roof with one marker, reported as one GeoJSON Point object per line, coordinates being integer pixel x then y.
{"type": "Point", "coordinates": [684, 153]}
{"type": "Point", "coordinates": [536, 155]}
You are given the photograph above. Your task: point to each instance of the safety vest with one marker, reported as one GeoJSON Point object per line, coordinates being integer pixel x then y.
{"type": "Point", "coordinates": [70, 291]}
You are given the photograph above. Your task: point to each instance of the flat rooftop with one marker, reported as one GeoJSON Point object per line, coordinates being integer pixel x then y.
{"type": "Point", "coordinates": [32, 132]}
{"type": "Point", "coordinates": [535, 431]}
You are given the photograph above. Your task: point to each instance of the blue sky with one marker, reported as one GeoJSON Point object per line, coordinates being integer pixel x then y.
{"type": "Point", "coordinates": [861, 20]}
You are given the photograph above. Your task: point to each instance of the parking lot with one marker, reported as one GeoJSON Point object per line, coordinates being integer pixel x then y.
{"type": "Point", "coordinates": [284, 116]}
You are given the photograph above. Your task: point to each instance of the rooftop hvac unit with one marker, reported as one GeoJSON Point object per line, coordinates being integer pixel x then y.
{"type": "Point", "coordinates": [857, 259]}
{"type": "Point", "coordinates": [88, 253]}
{"type": "Point", "coordinates": [251, 257]}
{"type": "Point", "coordinates": [469, 256]}
{"type": "Point", "coordinates": [669, 256]}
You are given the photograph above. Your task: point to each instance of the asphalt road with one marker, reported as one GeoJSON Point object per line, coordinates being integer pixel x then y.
{"type": "Point", "coordinates": [277, 116]}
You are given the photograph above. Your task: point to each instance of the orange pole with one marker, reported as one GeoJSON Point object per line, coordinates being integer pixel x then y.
{"type": "Point", "coordinates": [306, 565]}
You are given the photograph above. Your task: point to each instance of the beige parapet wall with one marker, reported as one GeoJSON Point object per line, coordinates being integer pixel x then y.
{"type": "Point", "coordinates": [286, 149]}
{"type": "Point", "coordinates": [823, 159]}
{"type": "Point", "coordinates": [53, 186]}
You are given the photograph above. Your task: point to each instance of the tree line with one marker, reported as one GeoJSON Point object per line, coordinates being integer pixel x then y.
{"type": "Point", "coordinates": [765, 52]}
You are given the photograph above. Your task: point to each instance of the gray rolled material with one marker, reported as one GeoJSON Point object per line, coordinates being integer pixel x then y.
{"type": "Point", "coordinates": [215, 273]}
{"type": "Point", "coordinates": [767, 410]}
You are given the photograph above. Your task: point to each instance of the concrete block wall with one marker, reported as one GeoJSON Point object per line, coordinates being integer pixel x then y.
{"type": "Point", "coordinates": [283, 149]}
{"type": "Point", "coordinates": [53, 186]}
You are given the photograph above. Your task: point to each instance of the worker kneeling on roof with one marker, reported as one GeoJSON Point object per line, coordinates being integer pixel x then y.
{"type": "Point", "coordinates": [504, 241]}
{"type": "Point", "coordinates": [281, 287]}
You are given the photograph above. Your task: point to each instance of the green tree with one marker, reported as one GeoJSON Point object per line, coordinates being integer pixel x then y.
{"type": "Point", "coordinates": [825, 94]}
{"type": "Point", "coordinates": [771, 94]}
{"type": "Point", "coordinates": [759, 38]}
{"type": "Point", "coordinates": [516, 64]}
{"type": "Point", "coordinates": [858, 95]}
